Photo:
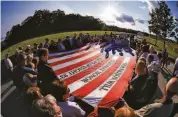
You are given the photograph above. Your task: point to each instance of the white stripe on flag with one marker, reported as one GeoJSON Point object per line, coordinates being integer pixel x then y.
{"type": "Point", "coordinates": [72, 55]}
{"type": "Point", "coordinates": [79, 83]}
{"type": "Point", "coordinates": [105, 87]}
{"type": "Point", "coordinates": [68, 52]}
{"type": "Point", "coordinates": [74, 50]}
{"type": "Point", "coordinates": [59, 66]}
{"type": "Point", "coordinates": [80, 68]}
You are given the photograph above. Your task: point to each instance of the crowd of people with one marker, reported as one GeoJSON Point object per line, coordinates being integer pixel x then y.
{"type": "Point", "coordinates": [47, 96]}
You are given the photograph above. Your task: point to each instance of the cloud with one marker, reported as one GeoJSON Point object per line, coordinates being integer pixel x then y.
{"type": "Point", "coordinates": [142, 7]}
{"type": "Point", "coordinates": [151, 4]}
{"type": "Point", "coordinates": [140, 21]}
{"type": "Point", "coordinates": [125, 18]}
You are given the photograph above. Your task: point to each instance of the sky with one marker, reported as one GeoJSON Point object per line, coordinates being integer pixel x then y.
{"type": "Point", "coordinates": [125, 14]}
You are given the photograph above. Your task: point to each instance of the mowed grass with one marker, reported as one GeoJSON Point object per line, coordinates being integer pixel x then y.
{"type": "Point", "coordinates": [54, 37]}
{"type": "Point", "coordinates": [159, 46]}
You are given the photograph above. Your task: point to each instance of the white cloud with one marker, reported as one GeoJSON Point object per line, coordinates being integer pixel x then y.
{"type": "Point", "coordinates": [142, 7]}
{"type": "Point", "coordinates": [151, 4]}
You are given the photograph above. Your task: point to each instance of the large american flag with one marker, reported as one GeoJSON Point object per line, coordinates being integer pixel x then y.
{"type": "Point", "coordinates": [93, 77]}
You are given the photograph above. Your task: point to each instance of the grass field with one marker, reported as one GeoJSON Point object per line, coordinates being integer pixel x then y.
{"type": "Point", "coordinates": [169, 46]}
{"type": "Point", "coordinates": [54, 37]}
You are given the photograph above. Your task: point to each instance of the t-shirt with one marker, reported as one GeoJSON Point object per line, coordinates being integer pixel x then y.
{"type": "Point", "coordinates": [156, 110]}
{"type": "Point", "coordinates": [71, 109]}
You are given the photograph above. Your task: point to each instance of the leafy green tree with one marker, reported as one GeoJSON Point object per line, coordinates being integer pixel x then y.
{"type": "Point", "coordinates": [154, 23]}
{"type": "Point", "coordinates": [165, 20]}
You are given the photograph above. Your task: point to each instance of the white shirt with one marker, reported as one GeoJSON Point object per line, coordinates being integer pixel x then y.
{"type": "Point", "coordinates": [71, 109]}
{"type": "Point", "coordinates": [71, 42]}
{"type": "Point", "coordinates": [8, 63]}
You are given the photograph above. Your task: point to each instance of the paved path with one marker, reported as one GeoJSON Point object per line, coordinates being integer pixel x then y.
{"type": "Point", "coordinates": [12, 106]}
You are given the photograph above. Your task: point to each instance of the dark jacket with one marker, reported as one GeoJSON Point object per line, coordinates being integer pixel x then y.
{"type": "Point", "coordinates": [46, 73]}
{"type": "Point", "coordinates": [18, 73]}
{"type": "Point", "coordinates": [139, 83]}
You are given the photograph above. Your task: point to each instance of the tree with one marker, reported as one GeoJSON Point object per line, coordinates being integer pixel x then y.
{"type": "Point", "coordinates": [154, 23]}
{"type": "Point", "coordinates": [165, 20]}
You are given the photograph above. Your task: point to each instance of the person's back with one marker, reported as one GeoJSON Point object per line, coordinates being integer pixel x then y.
{"type": "Point", "coordinates": [46, 73]}
{"type": "Point", "coordinates": [156, 110]}
{"type": "Point", "coordinates": [164, 106]}
{"type": "Point", "coordinates": [138, 82]}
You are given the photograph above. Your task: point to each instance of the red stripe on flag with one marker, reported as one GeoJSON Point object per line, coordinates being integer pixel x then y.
{"type": "Point", "coordinates": [72, 58]}
{"type": "Point", "coordinates": [88, 88]}
{"type": "Point", "coordinates": [119, 88]}
{"type": "Point", "coordinates": [85, 72]}
{"type": "Point", "coordinates": [68, 68]}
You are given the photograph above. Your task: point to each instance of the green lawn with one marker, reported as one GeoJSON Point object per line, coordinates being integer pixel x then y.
{"type": "Point", "coordinates": [51, 37]}
{"type": "Point", "coordinates": [169, 46]}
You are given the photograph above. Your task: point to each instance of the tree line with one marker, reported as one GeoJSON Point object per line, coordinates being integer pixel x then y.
{"type": "Point", "coordinates": [45, 22]}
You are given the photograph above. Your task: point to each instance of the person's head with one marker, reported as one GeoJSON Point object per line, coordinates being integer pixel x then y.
{"type": "Point", "coordinates": [105, 112]}
{"type": "Point", "coordinates": [43, 54]}
{"type": "Point", "coordinates": [20, 48]}
{"type": "Point", "coordinates": [59, 40]}
{"type": "Point", "coordinates": [150, 58]}
{"type": "Point", "coordinates": [125, 111]}
{"type": "Point", "coordinates": [33, 93]}
{"type": "Point", "coordinates": [35, 45]}
{"type": "Point", "coordinates": [47, 40]}
{"type": "Point", "coordinates": [143, 59]}
{"type": "Point", "coordinates": [144, 48]}
{"type": "Point", "coordinates": [140, 67]}
{"type": "Point", "coordinates": [31, 65]}
{"type": "Point", "coordinates": [159, 54]}
{"type": "Point", "coordinates": [151, 49]}
{"type": "Point", "coordinates": [28, 50]}
{"type": "Point", "coordinates": [60, 90]}
{"type": "Point", "coordinates": [48, 106]}
{"type": "Point", "coordinates": [35, 62]}
{"type": "Point", "coordinates": [29, 58]}
{"type": "Point", "coordinates": [30, 80]}
{"type": "Point", "coordinates": [22, 59]}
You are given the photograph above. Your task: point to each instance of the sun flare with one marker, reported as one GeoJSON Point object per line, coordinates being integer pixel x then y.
{"type": "Point", "coordinates": [109, 14]}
